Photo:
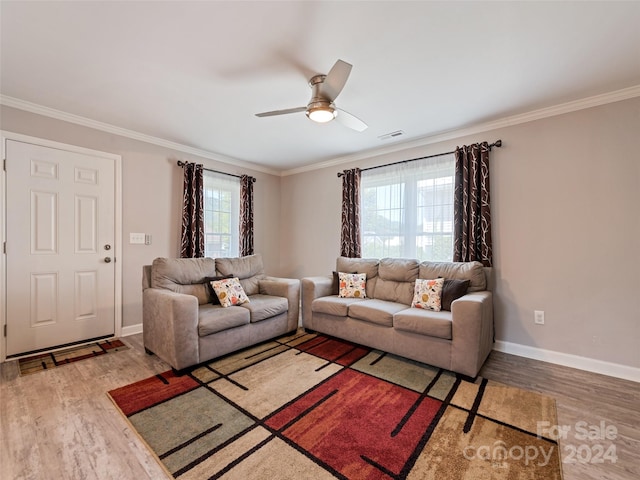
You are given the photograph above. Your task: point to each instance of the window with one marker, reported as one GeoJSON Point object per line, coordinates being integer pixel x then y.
{"type": "Point", "coordinates": [407, 210]}
{"type": "Point", "coordinates": [221, 215]}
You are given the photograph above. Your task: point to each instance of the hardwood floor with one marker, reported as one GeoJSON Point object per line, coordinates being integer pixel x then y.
{"type": "Point", "coordinates": [60, 424]}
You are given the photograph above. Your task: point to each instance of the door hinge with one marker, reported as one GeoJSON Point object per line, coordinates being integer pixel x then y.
{"type": "Point", "coordinates": [4, 164]}
{"type": "Point", "coordinates": [5, 329]}
{"type": "Point", "coordinates": [4, 247]}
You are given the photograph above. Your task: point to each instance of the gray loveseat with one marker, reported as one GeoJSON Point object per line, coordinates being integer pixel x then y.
{"type": "Point", "coordinates": [183, 327]}
{"type": "Point", "coordinates": [459, 340]}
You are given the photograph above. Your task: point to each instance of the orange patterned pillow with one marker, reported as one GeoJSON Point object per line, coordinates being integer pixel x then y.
{"type": "Point", "coordinates": [427, 294]}
{"type": "Point", "coordinates": [352, 285]}
{"type": "Point", "coordinates": [230, 292]}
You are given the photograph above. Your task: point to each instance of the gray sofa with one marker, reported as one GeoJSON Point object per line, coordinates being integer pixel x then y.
{"type": "Point", "coordinates": [458, 340]}
{"type": "Point", "coordinates": [183, 327]}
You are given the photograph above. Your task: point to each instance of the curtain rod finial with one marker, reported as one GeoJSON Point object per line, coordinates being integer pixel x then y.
{"type": "Point", "coordinates": [498, 143]}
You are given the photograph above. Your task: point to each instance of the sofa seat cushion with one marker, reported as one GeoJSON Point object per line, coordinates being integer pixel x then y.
{"type": "Point", "coordinates": [424, 322]}
{"type": "Point", "coordinates": [334, 305]}
{"type": "Point", "coordinates": [376, 311]}
{"type": "Point", "coordinates": [215, 318]}
{"type": "Point", "coordinates": [262, 307]}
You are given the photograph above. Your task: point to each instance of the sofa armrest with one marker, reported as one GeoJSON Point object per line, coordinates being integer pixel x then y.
{"type": "Point", "coordinates": [288, 288]}
{"type": "Point", "coordinates": [472, 332]}
{"type": "Point", "coordinates": [170, 326]}
{"type": "Point", "coordinates": [312, 288]}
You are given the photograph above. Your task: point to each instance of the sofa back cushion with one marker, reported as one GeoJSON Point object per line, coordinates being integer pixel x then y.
{"type": "Point", "coordinates": [472, 271]}
{"type": "Point", "coordinates": [396, 280]}
{"type": "Point", "coordinates": [184, 275]}
{"type": "Point", "coordinates": [360, 265]}
{"type": "Point", "coordinates": [249, 269]}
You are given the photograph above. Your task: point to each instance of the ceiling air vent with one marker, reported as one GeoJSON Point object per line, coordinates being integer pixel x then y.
{"type": "Point", "coordinates": [389, 136]}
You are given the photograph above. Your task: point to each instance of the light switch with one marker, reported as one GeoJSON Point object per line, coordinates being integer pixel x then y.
{"type": "Point", "coordinates": [137, 238]}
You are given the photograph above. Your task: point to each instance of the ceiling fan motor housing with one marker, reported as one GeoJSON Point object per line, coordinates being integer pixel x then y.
{"type": "Point", "coordinates": [319, 109]}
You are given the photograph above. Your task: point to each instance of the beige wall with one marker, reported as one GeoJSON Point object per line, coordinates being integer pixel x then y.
{"type": "Point", "coordinates": [566, 221]}
{"type": "Point", "coordinates": [566, 229]}
{"type": "Point", "coordinates": [152, 197]}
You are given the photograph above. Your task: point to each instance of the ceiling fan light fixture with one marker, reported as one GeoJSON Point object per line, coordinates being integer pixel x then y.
{"type": "Point", "coordinates": [324, 90]}
{"type": "Point", "coordinates": [321, 114]}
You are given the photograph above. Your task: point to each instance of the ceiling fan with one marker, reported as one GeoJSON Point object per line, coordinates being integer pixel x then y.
{"type": "Point", "coordinates": [324, 90]}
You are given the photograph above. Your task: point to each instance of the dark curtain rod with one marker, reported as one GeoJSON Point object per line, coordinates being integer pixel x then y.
{"type": "Point", "coordinates": [182, 164]}
{"type": "Point", "coordinates": [497, 143]}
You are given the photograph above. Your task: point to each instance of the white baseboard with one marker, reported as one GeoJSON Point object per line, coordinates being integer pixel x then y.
{"type": "Point", "coordinates": [131, 330]}
{"type": "Point", "coordinates": [574, 361]}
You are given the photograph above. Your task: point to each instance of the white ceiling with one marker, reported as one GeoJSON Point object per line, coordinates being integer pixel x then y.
{"type": "Point", "coordinates": [195, 73]}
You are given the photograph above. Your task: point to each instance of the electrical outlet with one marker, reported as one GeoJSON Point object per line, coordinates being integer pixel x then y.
{"type": "Point", "coordinates": [538, 317]}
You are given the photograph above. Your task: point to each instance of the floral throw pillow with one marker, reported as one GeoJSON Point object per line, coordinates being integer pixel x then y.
{"type": "Point", "coordinates": [352, 285]}
{"type": "Point", "coordinates": [428, 294]}
{"type": "Point", "coordinates": [229, 292]}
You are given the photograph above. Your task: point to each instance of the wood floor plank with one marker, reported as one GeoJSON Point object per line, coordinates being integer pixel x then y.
{"type": "Point", "coordinates": [60, 424]}
{"type": "Point", "coordinates": [584, 400]}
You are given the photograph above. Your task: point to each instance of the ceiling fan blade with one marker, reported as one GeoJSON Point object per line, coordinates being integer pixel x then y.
{"type": "Point", "coordinates": [335, 80]}
{"type": "Point", "coordinates": [281, 112]}
{"type": "Point", "coordinates": [350, 121]}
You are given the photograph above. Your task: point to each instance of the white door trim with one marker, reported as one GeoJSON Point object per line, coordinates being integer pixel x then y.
{"type": "Point", "coordinates": [117, 159]}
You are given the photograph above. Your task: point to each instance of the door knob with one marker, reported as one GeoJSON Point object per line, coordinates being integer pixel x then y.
{"type": "Point", "coordinates": [107, 259]}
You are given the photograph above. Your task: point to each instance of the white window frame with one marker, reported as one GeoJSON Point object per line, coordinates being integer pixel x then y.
{"type": "Point", "coordinates": [221, 194]}
{"type": "Point", "coordinates": [400, 184]}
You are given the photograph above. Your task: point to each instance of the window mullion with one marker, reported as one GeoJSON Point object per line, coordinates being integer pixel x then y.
{"type": "Point", "coordinates": [410, 218]}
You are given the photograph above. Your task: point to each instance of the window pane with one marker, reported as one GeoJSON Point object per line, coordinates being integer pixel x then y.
{"type": "Point", "coordinates": [434, 238]}
{"type": "Point", "coordinates": [221, 215]}
{"type": "Point", "coordinates": [407, 210]}
{"type": "Point", "coordinates": [382, 220]}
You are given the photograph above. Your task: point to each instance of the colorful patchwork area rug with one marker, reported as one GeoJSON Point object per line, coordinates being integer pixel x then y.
{"type": "Point", "coordinates": [309, 406]}
{"type": "Point", "coordinates": [47, 361]}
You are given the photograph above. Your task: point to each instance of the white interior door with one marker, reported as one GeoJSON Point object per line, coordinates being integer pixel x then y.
{"type": "Point", "coordinates": [60, 224]}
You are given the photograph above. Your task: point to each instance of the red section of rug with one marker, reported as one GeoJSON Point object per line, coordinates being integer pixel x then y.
{"type": "Point", "coordinates": [146, 393]}
{"type": "Point", "coordinates": [334, 350]}
{"type": "Point", "coordinates": [354, 419]}
{"type": "Point", "coordinates": [111, 344]}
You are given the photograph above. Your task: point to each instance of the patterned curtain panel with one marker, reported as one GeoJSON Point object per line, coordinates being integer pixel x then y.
{"type": "Point", "coordinates": [192, 241]}
{"type": "Point", "coordinates": [350, 242]}
{"type": "Point", "coordinates": [246, 215]}
{"type": "Point", "coordinates": [471, 209]}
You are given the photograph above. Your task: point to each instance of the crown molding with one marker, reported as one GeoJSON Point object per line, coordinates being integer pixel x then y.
{"type": "Point", "coordinates": [124, 132]}
{"type": "Point", "coordinates": [560, 109]}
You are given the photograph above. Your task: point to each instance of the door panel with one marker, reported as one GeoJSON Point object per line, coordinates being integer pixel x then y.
{"type": "Point", "coordinates": [44, 299]}
{"type": "Point", "coordinates": [86, 227]}
{"type": "Point", "coordinates": [44, 223]}
{"type": "Point", "coordinates": [60, 216]}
